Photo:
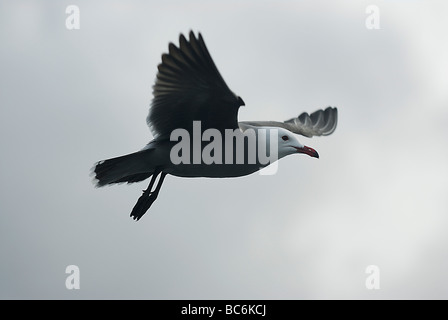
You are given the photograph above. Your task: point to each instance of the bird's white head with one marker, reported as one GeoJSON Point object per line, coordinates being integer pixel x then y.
{"type": "Point", "coordinates": [289, 144]}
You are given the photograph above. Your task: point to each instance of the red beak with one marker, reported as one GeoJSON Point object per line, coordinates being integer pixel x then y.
{"type": "Point", "coordinates": [309, 151]}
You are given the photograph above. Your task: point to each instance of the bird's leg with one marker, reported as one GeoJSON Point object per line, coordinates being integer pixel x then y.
{"type": "Point", "coordinates": [147, 198]}
{"type": "Point", "coordinates": [151, 183]}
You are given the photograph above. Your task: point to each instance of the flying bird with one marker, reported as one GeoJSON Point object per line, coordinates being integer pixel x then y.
{"type": "Point", "coordinates": [192, 100]}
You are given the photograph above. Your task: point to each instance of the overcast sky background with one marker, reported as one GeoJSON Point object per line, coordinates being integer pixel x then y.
{"type": "Point", "coordinates": [377, 196]}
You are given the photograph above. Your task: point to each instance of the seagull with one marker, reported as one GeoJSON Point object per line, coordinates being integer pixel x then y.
{"type": "Point", "coordinates": [191, 97]}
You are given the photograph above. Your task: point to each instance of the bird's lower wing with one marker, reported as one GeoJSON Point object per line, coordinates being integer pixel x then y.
{"type": "Point", "coordinates": [319, 123]}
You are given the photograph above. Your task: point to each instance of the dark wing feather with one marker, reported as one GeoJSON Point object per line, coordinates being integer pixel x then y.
{"type": "Point", "coordinates": [319, 123]}
{"type": "Point", "coordinates": [189, 87]}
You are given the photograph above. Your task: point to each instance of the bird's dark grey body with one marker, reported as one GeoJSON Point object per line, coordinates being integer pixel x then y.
{"type": "Point", "coordinates": [161, 157]}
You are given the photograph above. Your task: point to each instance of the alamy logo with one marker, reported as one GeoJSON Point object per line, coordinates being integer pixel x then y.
{"type": "Point", "coordinates": [250, 146]}
{"type": "Point", "coordinates": [72, 21]}
{"type": "Point", "coordinates": [373, 278]}
{"type": "Point", "coordinates": [373, 18]}
{"type": "Point", "coordinates": [72, 281]}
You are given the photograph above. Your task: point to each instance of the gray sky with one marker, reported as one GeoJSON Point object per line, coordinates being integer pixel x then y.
{"type": "Point", "coordinates": [377, 195]}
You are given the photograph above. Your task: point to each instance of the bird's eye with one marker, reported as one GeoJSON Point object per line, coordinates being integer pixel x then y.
{"type": "Point", "coordinates": [285, 138]}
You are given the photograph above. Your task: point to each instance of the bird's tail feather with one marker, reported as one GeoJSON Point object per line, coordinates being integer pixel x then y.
{"type": "Point", "coordinates": [129, 168]}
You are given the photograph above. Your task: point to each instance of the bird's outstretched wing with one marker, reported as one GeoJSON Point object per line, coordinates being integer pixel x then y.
{"type": "Point", "coordinates": [189, 87]}
{"type": "Point", "coordinates": [319, 123]}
